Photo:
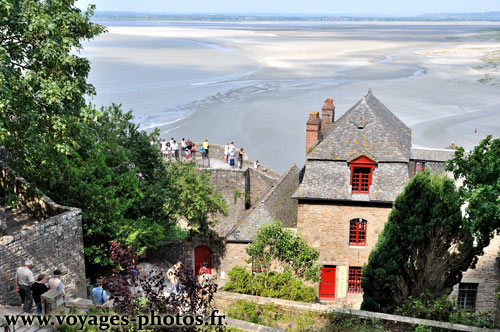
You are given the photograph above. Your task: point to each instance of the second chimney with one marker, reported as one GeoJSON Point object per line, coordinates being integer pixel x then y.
{"type": "Point", "coordinates": [328, 112]}
{"type": "Point", "coordinates": [313, 128]}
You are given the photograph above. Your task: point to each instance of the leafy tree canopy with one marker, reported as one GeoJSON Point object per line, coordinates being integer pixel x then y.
{"type": "Point", "coordinates": [96, 160]}
{"type": "Point", "coordinates": [480, 172]}
{"type": "Point", "coordinates": [424, 247]}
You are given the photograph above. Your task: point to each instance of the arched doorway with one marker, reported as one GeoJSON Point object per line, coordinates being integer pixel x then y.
{"type": "Point", "coordinates": [202, 254]}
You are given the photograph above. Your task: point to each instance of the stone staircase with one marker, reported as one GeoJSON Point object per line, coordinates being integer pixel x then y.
{"type": "Point", "coordinates": [9, 310]}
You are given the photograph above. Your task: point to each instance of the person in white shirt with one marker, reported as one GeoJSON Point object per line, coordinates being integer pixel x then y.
{"type": "Point", "coordinates": [163, 146]}
{"type": "Point", "coordinates": [256, 165]}
{"type": "Point", "coordinates": [55, 282]}
{"type": "Point", "coordinates": [24, 279]}
{"type": "Point", "coordinates": [226, 152]}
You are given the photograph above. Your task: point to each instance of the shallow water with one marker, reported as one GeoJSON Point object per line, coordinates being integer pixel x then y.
{"type": "Point", "coordinates": [255, 83]}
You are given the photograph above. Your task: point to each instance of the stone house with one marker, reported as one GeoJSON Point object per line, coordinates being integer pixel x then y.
{"type": "Point", "coordinates": [355, 168]}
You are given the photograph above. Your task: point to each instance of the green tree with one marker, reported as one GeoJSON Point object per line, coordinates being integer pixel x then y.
{"type": "Point", "coordinates": [275, 247]}
{"type": "Point", "coordinates": [43, 82]}
{"type": "Point", "coordinates": [480, 172]}
{"type": "Point", "coordinates": [97, 160]}
{"type": "Point", "coordinates": [424, 247]}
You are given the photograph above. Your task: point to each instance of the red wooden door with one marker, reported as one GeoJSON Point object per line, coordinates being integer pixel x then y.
{"type": "Point", "coordinates": [327, 285]}
{"type": "Point", "coordinates": [202, 254]}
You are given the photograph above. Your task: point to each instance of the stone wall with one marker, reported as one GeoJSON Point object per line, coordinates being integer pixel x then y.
{"type": "Point", "coordinates": [52, 243]}
{"type": "Point", "coordinates": [224, 255]}
{"type": "Point", "coordinates": [387, 321]}
{"type": "Point", "coordinates": [325, 226]}
{"type": "Point", "coordinates": [487, 275]}
{"type": "Point", "coordinates": [231, 184]}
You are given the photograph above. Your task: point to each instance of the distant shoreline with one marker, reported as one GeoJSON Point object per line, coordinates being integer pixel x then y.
{"type": "Point", "coordinates": [253, 17]}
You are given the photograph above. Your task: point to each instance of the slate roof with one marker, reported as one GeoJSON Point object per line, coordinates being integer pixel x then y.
{"type": "Point", "coordinates": [369, 129]}
{"type": "Point", "coordinates": [276, 204]}
{"type": "Point", "coordinates": [423, 154]}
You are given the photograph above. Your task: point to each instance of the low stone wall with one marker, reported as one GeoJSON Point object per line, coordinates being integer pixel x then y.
{"type": "Point", "coordinates": [226, 299]}
{"type": "Point", "coordinates": [55, 241]}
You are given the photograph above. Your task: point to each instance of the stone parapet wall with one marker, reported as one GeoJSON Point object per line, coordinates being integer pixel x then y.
{"type": "Point", "coordinates": [394, 322]}
{"type": "Point", "coordinates": [55, 241]}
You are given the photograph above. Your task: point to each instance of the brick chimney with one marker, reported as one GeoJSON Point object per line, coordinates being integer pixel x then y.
{"type": "Point", "coordinates": [328, 114]}
{"type": "Point", "coordinates": [313, 127]}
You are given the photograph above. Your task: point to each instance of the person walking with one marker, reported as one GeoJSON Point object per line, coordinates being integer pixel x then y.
{"type": "Point", "coordinates": [23, 280]}
{"type": "Point", "coordinates": [55, 282]}
{"type": "Point", "coordinates": [37, 290]}
{"type": "Point", "coordinates": [241, 153]}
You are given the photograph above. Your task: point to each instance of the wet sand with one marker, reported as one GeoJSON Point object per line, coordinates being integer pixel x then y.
{"type": "Point", "coordinates": [426, 74]}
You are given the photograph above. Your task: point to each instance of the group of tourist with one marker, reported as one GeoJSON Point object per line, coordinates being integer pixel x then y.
{"type": "Point", "coordinates": [30, 290]}
{"type": "Point", "coordinates": [183, 150]}
{"type": "Point", "coordinates": [230, 154]}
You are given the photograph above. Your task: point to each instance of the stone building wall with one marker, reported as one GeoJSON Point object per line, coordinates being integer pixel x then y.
{"type": "Point", "coordinates": [487, 275]}
{"type": "Point", "coordinates": [231, 184]}
{"type": "Point", "coordinates": [325, 226]}
{"type": "Point", "coordinates": [224, 255]}
{"type": "Point", "coordinates": [55, 241]}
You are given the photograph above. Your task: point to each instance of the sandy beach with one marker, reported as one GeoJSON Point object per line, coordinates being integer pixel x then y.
{"type": "Point", "coordinates": [255, 83]}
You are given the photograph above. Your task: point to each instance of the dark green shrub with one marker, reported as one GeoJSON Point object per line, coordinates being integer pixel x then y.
{"type": "Point", "coordinates": [279, 285]}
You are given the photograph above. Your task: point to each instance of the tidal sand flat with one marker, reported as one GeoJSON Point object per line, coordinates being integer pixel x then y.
{"type": "Point", "coordinates": [255, 83]}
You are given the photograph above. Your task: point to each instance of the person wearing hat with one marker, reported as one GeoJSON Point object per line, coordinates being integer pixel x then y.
{"type": "Point", "coordinates": [24, 279]}
{"type": "Point", "coordinates": [55, 282]}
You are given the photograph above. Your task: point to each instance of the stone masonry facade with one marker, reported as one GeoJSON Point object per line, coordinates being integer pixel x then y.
{"type": "Point", "coordinates": [54, 241]}
{"type": "Point", "coordinates": [326, 228]}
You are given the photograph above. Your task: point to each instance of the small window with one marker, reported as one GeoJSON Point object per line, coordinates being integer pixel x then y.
{"type": "Point", "coordinates": [355, 275]}
{"type": "Point", "coordinates": [258, 266]}
{"type": "Point", "coordinates": [419, 166]}
{"type": "Point", "coordinates": [360, 180]}
{"type": "Point", "coordinates": [361, 174]}
{"type": "Point", "coordinates": [467, 293]}
{"type": "Point", "coordinates": [357, 232]}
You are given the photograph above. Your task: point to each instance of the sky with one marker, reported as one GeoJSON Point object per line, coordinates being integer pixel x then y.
{"type": "Point", "coordinates": [353, 7]}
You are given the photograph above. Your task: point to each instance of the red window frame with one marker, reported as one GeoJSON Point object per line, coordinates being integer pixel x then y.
{"type": "Point", "coordinates": [357, 232]}
{"type": "Point", "coordinates": [355, 277]}
{"type": "Point", "coordinates": [419, 166]}
{"type": "Point", "coordinates": [361, 174]}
